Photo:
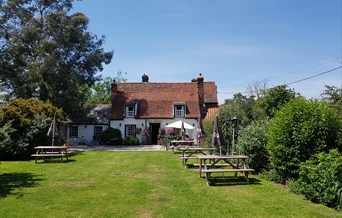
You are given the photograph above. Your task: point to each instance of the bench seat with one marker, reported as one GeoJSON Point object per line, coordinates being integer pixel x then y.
{"type": "Point", "coordinates": [226, 170]}
{"type": "Point", "coordinates": [209, 171]}
{"type": "Point", "coordinates": [61, 155]}
{"type": "Point", "coordinates": [186, 158]}
{"type": "Point", "coordinates": [48, 155]}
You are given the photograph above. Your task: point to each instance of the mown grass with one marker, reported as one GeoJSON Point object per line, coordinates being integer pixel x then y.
{"type": "Point", "coordinates": [139, 184]}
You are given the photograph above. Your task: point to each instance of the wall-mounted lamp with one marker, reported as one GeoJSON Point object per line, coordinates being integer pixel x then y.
{"type": "Point", "coordinates": [142, 125]}
{"type": "Point", "coordinates": [119, 124]}
{"type": "Point", "coordinates": [193, 125]}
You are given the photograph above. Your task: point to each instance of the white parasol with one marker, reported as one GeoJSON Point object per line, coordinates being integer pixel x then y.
{"type": "Point", "coordinates": [179, 125]}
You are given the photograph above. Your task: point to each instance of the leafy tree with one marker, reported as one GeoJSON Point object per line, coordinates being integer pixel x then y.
{"type": "Point", "coordinates": [333, 96]}
{"type": "Point", "coordinates": [238, 107]}
{"type": "Point", "coordinates": [276, 97]}
{"type": "Point", "coordinates": [24, 124]}
{"type": "Point", "coordinates": [100, 92]}
{"type": "Point", "coordinates": [47, 53]}
{"type": "Point", "coordinates": [299, 130]}
{"type": "Point", "coordinates": [252, 142]}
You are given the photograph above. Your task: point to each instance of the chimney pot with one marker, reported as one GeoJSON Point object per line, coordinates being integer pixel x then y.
{"type": "Point", "coordinates": [144, 78]}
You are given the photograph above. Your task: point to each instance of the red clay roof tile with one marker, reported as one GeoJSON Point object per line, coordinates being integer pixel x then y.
{"type": "Point", "coordinates": [156, 100]}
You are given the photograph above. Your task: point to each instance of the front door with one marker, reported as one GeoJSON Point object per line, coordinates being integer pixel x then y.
{"type": "Point", "coordinates": [154, 132]}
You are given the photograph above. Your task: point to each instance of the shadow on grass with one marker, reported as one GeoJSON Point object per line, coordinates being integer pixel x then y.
{"type": "Point", "coordinates": [58, 160]}
{"type": "Point", "coordinates": [12, 183]}
{"type": "Point", "coordinates": [232, 180]}
{"type": "Point", "coordinates": [54, 160]}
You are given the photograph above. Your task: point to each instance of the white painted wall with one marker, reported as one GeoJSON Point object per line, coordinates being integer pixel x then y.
{"type": "Point", "coordinates": [120, 124]}
{"type": "Point", "coordinates": [85, 132]}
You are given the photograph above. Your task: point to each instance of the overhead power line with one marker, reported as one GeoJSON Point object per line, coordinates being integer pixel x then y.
{"type": "Point", "coordinates": [297, 81]}
{"type": "Point", "coordinates": [328, 71]}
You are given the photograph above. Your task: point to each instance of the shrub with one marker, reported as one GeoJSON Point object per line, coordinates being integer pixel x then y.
{"type": "Point", "coordinates": [131, 140]}
{"type": "Point", "coordinates": [208, 126]}
{"type": "Point", "coordinates": [320, 179]}
{"type": "Point", "coordinates": [252, 142]}
{"type": "Point", "coordinates": [299, 130]}
{"type": "Point", "coordinates": [24, 124]}
{"type": "Point", "coordinates": [166, 139]}
{"type": "Point", "coordinates": [111, 136]}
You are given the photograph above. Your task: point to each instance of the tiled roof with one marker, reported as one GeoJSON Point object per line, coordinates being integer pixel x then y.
{"type": "Point", "coordinates": [98, 113]}
{"type": "Point", "coordinates": [156, 100]}
{"type": "Point", "coordinates": [210, 92]}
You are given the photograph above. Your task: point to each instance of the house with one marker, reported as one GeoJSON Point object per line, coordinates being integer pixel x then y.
{"type": "Point", "coordinates": [143, 108]}
{"type": "Point", "coordinates": [95, 122]}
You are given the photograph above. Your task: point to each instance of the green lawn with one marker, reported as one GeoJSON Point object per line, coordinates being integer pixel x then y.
{"type": "Point", "coordinates": [138, 184]}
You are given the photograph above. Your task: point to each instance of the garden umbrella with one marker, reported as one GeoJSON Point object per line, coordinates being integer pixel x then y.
{"type": "Point", "coordinates": [217, 138]}
{"type": "Point", "coordinates": [178, 124]}
{"type": "Point", "coordinates": [183, 131]}
{"type": "Point", "coordinates": [53, 131]}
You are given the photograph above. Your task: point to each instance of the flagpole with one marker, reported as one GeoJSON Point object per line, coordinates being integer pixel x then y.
{"type": "Point", "coordinates": [53, 131]}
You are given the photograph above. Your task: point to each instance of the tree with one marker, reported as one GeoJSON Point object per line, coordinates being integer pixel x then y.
{"type": "Point", "coordinates": [257, 89]}
{"type": "Point", "coordinates": [333, 96]}
{"type": "Point", "coordinates": [276, 97]}
{"type": "Point", "coordinates": [23, 125]}
{"type": "Point", "coordinates": [47, 53]}
{"type": "Point", "coordinates": [100, 92]}
{"type": "Point", "coordinates": [299, 130]}
{"type": "Point", "coordinates": [238, 107]}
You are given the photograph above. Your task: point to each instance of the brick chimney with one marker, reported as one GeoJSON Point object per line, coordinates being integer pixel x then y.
{"type": "Point", "coordinates": [200, 89]}
{"type": "Point", "coordinates": [113, 87]}
{"type": "Point", "coordinates": [144, 78]}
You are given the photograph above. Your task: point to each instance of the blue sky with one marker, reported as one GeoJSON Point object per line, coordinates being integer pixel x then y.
{"type": "Point", "coordinates": [232, 42]}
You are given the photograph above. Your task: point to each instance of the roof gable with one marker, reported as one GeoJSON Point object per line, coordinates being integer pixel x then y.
{"type": "Point", "coordinates": [157, 99]}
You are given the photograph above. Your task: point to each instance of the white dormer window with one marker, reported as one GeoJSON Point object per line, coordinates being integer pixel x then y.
{"type": "Point", "coordinates": [179, 109]}
{"type": "Point", "coordinates": [129, 111]}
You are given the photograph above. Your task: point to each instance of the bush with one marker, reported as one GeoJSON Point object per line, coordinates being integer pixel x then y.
{"type": "Point", "coordinates": [252, 142]}
{"type": "Point", "coordinates": [166, 139]}
{"type": "Point", "coordinates": [300, 129]}
{"type": "Point", "coordinates": [111, 136]}
{"type": "Point", "coordinates": [320, 179]}
{"type": "Point", "coordinates": [24, 124]}
{"type": "Point", "coordinates": [131, 140]}
{"type": "Point", "coordinates": [208, 126]}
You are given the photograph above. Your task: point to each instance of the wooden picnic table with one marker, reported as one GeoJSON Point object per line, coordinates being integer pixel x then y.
{"type": "Point", "coordinates": [177, 144]}
{"type": "Point", "coordinates": [192, 152]}
{"type": "Point", "coordinates": [236, 162]}
{"type": "Point", "coordinates": [50, 152]}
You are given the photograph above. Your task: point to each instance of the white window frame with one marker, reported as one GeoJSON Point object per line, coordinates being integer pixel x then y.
{"type": "Point", "coordinates": [179, 110]}
{"type": "Point", "coordinates": [130, 130]}
{"type": "Point", "coordinates": [130, 111]}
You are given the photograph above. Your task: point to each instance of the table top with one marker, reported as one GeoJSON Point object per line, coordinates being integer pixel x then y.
{"type": "Point", "coordinates": [223, 157]}
{"type": "Point", "coordinates": [182, 141]}
{"type": "Point", "coordinates": [197, 149]}
{"type": "Point", "coordinates": [51, 147]}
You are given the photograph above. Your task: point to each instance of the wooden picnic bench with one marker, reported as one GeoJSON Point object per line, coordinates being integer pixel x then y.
{"type": "Point", "coordinates": [192, 152]}
{"type": "Point", "coordinates": [208, 162]}
{"type": "Point", "coordinates": [176, 145]}
{"type": "Point", "coordinates": [50, 152]}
